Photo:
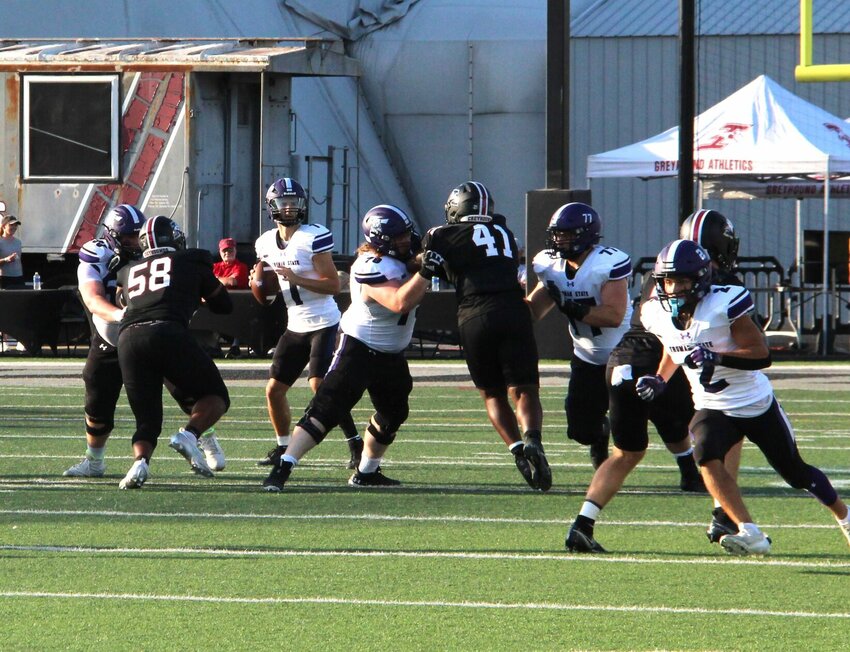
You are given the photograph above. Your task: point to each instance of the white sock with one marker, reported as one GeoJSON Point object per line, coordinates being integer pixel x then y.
{"type": "Point", "coordinates": [514, 445]}
{"type": "Point", "coordinates": [369, 464]}
{"type": "Point", "coordinates": [95, 453]}
{"type": "Point", "coordinates": [283, 441]}
{"type": "Point", "coordinates": [844, 522]}
{"type": "Point", "coordinates": [690, 451]}
{"type": "Point", "coordinates": [286, 457]}
{"type": "Point", "coordinates": [590, 510]}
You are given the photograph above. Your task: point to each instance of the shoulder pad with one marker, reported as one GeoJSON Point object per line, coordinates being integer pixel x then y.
{"type": "Point", "coordinates": [96, 252]}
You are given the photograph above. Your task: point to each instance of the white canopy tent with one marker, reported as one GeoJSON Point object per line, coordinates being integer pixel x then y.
{"type": "Point", "coordinates": [762, 131]}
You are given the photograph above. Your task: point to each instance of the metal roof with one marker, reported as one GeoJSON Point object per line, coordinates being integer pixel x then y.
{"type": "Point", "coordinates": [304, 56]}
{"type": "Point", "coordinates": [608, 18]}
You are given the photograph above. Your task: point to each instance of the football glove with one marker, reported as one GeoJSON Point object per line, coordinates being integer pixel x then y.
{"type": "Point", "coordinates": [701, 357]}
{"type": "Point", "coordinates": [650, 387]}
{"type": "Point", "coordinates": [431, 263]}
{"type": "Point", "coordinates": [574, 310]}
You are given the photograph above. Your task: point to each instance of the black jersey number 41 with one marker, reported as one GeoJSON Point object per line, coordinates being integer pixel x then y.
{"type": "Point", "coordinates": [482, 237]}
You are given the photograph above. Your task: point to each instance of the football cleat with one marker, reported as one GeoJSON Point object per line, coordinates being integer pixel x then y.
{"type": "Point", "coordinates": [278, 476]}
{"type": "Point", "coordinates": [136, 476]}
{"type": "Point", "coordinates": [375, 479]}
{"type": "Point", "coordinates": [541, 474]}
{"type": "Point", "coordinates": [88, 468]}
{"type": "Point", "coordinates": [720, 524]}
{"type": "Point", "coordinates": [748, 541]}
{"type": "Point", "coordinates": [212, 452]}
{"type": "Point", "coordinates": [186, 444]}
{"type": "Point", "coordinates": [272, 458]}
{"type": "Point", "coordinates": [356, 448]}
{"type": "Point", "coordinates": [578, 541]}
{"type": "Point", "coordinates": [525, 470]}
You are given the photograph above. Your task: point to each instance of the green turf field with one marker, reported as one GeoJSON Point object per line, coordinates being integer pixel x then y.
{"type": "Point", "coordinates": [463, 557]}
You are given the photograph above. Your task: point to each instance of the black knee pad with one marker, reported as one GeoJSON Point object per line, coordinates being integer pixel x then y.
{"type": "Point", "coordinates": [311, 428]}
{"type": "Point", "coordinates": [387, 428]}
{"type": "Point", "coordinates": [100, 430]}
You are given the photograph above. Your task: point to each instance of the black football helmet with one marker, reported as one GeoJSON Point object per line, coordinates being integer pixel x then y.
{"type": "Point", "coordinates": [286, 202]}
{"type": "Point", "coordinates": [382, 226]}
{"type": "Point", "coordinates": [121, 221]}
{"type": "Point", "coordinates": [682, 259]}
{"type": "Point", "coordinates": [577, 220]}
{"type": "Point", "coordinates": [160, 234]}
{"type": "Point", "coordinates": [470, 198]}
{"type": "Point", "coordinates": [716, 234]}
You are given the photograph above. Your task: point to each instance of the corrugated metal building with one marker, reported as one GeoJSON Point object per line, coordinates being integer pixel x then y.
{"type": "Point", "coordinates": [625, 88]}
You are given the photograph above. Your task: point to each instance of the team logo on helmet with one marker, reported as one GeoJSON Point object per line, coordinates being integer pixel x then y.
{"type": "Point", "coordinates": [383, 225]}
{"type": "Point", "coordinates": [286, 202]}
{"type": "Point", "coordinates": [682, 259]}
{"type": "Point", "coordinates": [120, 224]}
{"type": "Point", "coordinates": [160, 234]}
{"type": "Point", "coordinates": [467, 200]}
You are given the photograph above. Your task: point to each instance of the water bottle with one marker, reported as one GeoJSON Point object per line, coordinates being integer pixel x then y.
{"type": "Point", "coordinates": [435, 284]}
{"type": "Point", "coordinates": [36, 281]}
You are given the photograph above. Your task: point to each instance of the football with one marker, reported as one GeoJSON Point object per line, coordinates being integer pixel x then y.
{"type": "Point", "coordinates": [264, 283]}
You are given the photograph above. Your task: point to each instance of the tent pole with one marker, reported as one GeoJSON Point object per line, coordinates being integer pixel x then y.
{"type": "Point", "coordinates": [825, 276]}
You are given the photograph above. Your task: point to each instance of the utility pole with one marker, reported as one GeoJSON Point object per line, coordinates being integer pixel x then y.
{"type": "Point", "coordinates": [687, 85]}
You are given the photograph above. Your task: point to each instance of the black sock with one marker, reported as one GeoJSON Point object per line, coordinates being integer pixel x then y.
{"type": "Point", "coordinates": [584, 524]}
{"type": "Point", "coordinates": [533, 434]}
{"type": "Point", "coordinates": [518, 449]}
{"type": "Point", "coordinates": [687, 465]}
{"type": "Point", "coordinates": [193, 431]}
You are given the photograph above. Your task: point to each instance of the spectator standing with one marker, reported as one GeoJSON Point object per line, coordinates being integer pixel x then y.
{"type": "Point", "coordinates": [11, 270]}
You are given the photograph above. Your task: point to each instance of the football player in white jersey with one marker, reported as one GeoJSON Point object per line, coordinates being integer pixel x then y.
{"type": "Point", "coordinates": [588, 282]}
{"type": "Point", "coordinates": [301, 255]}
{"type": "Point", "coordinates": [375, 331]}
{"type": "Point", "coordinates": [706, 328]}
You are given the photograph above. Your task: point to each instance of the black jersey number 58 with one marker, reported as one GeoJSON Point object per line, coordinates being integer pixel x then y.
{"type": "Point", "coordinates": [152, 276]}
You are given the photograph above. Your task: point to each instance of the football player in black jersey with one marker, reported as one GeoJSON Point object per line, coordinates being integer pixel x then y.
{"type": "Point", "coordinates": [100, 260]}
{"type": "Point", "coordinates": [161, 293]}
{"type": "Point", "coordinates": [638, 354]}
{"type": "Point", "coordinates": [479, 257]}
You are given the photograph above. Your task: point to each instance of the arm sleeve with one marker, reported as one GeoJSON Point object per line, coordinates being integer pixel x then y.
{"type": "Point", "coordinates": [746, 364]}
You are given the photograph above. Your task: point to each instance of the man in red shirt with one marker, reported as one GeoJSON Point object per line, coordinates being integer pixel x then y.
{"type": "Point", "coordinates": [232, 273]}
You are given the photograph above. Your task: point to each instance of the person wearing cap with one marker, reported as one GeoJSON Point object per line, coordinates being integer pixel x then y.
{"type": "Point", "coordinates": [232, 273]}
{"type": "Point", "coordinates": [11, 270]}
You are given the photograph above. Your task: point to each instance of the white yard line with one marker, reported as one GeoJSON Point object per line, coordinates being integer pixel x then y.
{"type": "Point", "coordinates": [378, 518]}
{"type": "Point", "coordinates": [440, 604]}
{"type": "Point", "coordinates": [422, 554]}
